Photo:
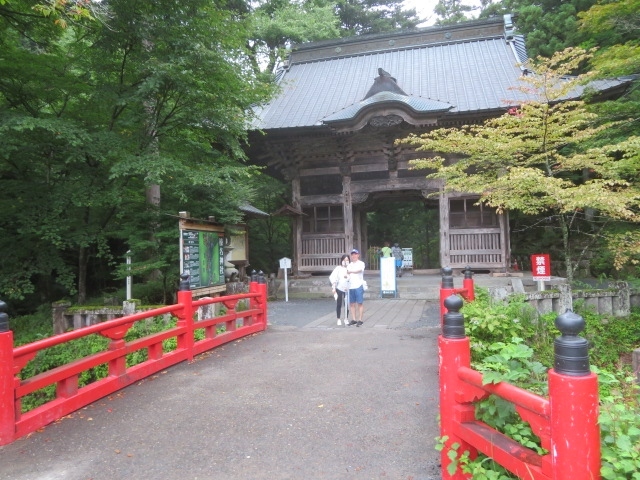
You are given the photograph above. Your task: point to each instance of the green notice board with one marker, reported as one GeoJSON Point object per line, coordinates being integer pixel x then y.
{"type": "Point", "coordinates": [202, 258]}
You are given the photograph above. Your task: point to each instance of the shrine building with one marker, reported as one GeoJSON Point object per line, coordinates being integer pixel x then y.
{"type": "Point", "coordinates": [331, 133]}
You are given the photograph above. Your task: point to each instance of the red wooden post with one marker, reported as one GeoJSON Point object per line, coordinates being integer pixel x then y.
{"type": "Point", "coordinates": [7, 391]}
{"type": "Point", "coordinates": [468, 285]}
{"type": "Point", "coordinates": [446, 289]}
{"type": "Point", "coordinates": [253, 301]}
{"type": "Point", "coordinates": [262, 300]}
{"type": "Point", "coordinates": [185, 316]}
{"type": "Point", "coordinates": [573, 398]}
{"type": "Point", "coordinates": [455, 352]}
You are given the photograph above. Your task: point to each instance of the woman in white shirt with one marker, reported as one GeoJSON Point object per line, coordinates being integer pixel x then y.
{"type": "Point", "coordinates": [339, 279]}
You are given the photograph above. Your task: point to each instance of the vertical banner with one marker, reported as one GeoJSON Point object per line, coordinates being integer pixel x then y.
{"type": "Point", "coordinates": [388, 284]}
{"type": "Point", "coordinates": [541, 267]}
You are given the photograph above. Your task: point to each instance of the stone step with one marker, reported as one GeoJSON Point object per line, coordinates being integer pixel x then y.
{"type": "Point", "coordinates": [320, 288]}
{"type": "Point", "coordinates": [410, 286]}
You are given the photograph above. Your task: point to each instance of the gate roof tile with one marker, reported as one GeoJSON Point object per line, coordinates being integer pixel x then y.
{"type": "Point", "coordinates": [470, 67]}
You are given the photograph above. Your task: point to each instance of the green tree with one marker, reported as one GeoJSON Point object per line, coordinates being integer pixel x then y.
{"type": "Point", "coordinates": [412, 224]}
{"type": "Point", "coordinates": [359, 17]}
{"type": "Point", "coordinates": [614, 27]}
{"type": "Point", "coordinates": [537, 159]}
{"type": "Point", "coordinates": [451, 11]}
{"type": "Point", "coordinates": [157, 93]}
{"type": "Point", "coordinates": [548, 25]}
{"type": "Point", "coordinates": [269, 237]}
{"type": "Point", "coordinates": [279, 23]}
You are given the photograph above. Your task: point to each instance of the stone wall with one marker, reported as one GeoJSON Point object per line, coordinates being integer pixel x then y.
{"type": "Point", "coordinates": [617, 299]}
{"type": "Point", "coordinates": [66, 318]}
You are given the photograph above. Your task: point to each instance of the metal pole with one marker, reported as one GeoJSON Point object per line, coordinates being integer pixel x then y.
{"type": "Point", "coordinates": [286, 285]}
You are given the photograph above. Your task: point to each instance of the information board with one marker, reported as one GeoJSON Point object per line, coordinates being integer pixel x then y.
{"type": "Point", "coordinates": [202, 258]}
{"type": "Point", "coordinates": [407, 261]}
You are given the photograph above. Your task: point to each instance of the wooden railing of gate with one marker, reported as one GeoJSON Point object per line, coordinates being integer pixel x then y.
{"type": "Point", "coordinates": [566, 423]}
{"type": "Point", "coordinates": [70, 396]}
{"type": "Point", "coordinates": [321, 252]}
{"type": "Point", "coordinates": [480, 247]}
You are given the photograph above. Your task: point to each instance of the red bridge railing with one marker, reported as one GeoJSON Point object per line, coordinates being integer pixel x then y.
{"type": "Point", "coordinates": [447, 289]}
{"type": "Point", "coordinates": [70, 396]}
{"type": "Point", "coordinates": [566, 423]}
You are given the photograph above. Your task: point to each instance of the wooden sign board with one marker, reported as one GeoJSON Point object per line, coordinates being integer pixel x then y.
{"type": "Point", "coordinates": [202, 256]}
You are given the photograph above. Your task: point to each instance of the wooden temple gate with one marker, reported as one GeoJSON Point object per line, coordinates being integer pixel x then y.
{"type": "Point", "coordinates": [339, 178]}
{"type": "Point", "coordinates": [332, 134]}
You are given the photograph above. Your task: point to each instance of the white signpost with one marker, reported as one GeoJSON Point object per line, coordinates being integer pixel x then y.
{"type": "Point", "coordinates": [285, 263]}
{"type": "Point", "coordinates": [129, 276]}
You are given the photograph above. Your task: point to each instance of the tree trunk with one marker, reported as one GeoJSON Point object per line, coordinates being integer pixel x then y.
{"type": "Point", "coordinates": [564, 226]}
{"type": "Point", "coordinates": [83, 260]}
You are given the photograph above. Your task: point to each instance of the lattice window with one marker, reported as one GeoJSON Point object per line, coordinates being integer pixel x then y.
{"type": "Point", "coordinates": [323, 219]}
{"type": "Point", "coordinates": [467, 213]}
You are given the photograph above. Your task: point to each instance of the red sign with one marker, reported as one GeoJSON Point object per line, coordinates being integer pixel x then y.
{"type": "Point", "coordinates": [541, 266]}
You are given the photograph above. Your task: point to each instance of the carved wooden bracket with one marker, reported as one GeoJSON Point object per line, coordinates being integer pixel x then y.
{"type": "Point", "coordinates": [386, 121]}
{"type": "Point", "coordinates": [357, 198]}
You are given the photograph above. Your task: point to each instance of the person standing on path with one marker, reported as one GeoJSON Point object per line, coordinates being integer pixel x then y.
{"type": "Point", "coordinates": [385, 251]}
{"type": "Point", "coordinates": [356, 289]}
{"type": "Point", "coordinates": [339, 279]}
{"type": "Point", "coordinates": [396, 251]}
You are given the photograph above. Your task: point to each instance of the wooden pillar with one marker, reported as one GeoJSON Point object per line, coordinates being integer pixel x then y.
{"type": "Point", "coordinates": [505, 244]}
{"type": "Point", "coordinates": [445, 256]}
{"type": "Point", "coordinates": [364, 243]}
{"type": "Point", "coordinates": [296, 226]}
{"type": "Point", "coordinates": [357, 234]}
{"type": "Point", "coordinates": [347, 212]}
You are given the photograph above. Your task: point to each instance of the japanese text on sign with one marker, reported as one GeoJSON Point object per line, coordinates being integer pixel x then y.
{"type": "Point", "coordinates": [541, 266]}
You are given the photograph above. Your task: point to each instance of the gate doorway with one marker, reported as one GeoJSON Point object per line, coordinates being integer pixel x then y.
{"type": "Point", "coordinates": [411, 222]}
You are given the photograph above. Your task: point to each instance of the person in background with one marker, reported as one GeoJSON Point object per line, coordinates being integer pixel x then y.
{"type": "Point", "coordinates": [356, 289]}
{"type": "Point", "coordinates": [386, 250]}
{"type": "Point", "coordinates": [339, 279]}
{"type": "Point", "coordinates": [396, 251]}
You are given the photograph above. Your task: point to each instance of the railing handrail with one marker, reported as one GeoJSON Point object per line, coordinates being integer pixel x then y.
{"type": "Point", "coordinates": [65, 337]}
{"type": "Point", "coordinates": [512, 393]}
{"type": "Point", "coordinates": [70, 396]}
{"type": "Point", "coordinates": [566, 423]}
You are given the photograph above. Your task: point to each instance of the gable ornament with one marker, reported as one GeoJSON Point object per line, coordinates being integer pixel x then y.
{"type": "Point", "coordinates": [386, 121]}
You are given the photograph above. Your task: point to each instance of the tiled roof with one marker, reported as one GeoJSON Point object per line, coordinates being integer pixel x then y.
{"type": "Point", "coordinates": [468, 68]}
{"type": "Point", "coordinates": [466, 75]}
{"type": "Point", "coordinates": [417, 104]}
{"type": "Point", "coordinates": [252, 211]}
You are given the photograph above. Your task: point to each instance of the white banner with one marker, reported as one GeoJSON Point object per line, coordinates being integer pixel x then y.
{"type": "Point", "coordinates": [388, 276]}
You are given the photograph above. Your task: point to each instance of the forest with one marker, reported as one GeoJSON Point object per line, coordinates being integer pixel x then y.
{"type": "Point", "coordinates": [116, 115]}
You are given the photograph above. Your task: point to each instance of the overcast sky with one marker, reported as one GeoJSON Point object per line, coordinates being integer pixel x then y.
{"type": "Point", "coordinates": [425, 8]}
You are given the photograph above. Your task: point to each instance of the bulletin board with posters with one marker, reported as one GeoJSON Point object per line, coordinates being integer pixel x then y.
{"type": "Point", "coordinates": [407, 261]}
{"type": "Point", "coordinates": [202, 255]}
